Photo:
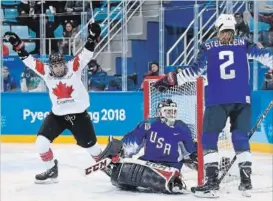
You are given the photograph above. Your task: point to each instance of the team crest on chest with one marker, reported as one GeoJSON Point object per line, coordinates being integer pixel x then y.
{"type": "Point", "coordinates": [147, 126]}
{"type": "Point", "coordinates": [62, 91]}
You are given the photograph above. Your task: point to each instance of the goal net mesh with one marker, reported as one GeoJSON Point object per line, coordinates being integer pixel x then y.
{"type": "Point", "coordinates": [186, 98]}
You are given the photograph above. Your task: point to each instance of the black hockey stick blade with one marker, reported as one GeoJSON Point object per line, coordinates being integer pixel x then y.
{"type": "Point", "coordinates": [253, 130]}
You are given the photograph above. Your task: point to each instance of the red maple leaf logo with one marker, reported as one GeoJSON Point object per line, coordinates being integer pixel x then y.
{"type": "Point", "coordinates": [63, 91]}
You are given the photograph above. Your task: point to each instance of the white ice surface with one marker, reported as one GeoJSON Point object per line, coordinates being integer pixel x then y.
{"type": "Point", "coordinates": [20, 163]}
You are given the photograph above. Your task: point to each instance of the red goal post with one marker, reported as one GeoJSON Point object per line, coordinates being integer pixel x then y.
{"type": "Point", "coordinates": [190, 101]}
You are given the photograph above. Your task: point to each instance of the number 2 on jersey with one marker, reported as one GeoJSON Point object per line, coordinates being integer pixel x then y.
{"type": "Point", "coordinates": [223, 74]}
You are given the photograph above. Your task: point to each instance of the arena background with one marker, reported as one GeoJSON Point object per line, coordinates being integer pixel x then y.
{"type": "Point", "coordinates": [158, 31]}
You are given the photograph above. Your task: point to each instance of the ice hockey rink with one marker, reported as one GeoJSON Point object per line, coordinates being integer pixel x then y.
{"type": "Point", "coordinates": [20, 163]}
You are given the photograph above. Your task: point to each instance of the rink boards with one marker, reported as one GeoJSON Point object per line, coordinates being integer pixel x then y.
{"type": "Point", "coordinates": [112, 113]}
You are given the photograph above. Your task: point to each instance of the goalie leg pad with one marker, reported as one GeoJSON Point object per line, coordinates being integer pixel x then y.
{"type": "Point", "coordinates": [138, 175]}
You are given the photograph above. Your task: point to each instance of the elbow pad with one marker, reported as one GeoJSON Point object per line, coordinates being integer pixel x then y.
{"type": "Point", "coordinates": [90, 45]}
{"type": "Point", "coordinates": [23, 54]}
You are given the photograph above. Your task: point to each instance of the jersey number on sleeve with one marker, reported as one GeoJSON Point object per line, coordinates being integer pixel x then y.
{"type": "Point", "coordinates": [223, 73]}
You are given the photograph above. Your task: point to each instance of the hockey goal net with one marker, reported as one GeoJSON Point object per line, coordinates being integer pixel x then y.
{"type": "Point", "coordinates": [190, 102]}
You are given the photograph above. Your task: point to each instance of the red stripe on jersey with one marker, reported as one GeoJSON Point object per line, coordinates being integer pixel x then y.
{"type": "Point", "coordinates": [40, 67]}
{"type": "Point", "coordinates": [76, 64]}
{"type": "Point", "coordinates": [48, 156]}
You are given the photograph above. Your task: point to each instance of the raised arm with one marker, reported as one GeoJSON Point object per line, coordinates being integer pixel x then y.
{"type": "Point", "coordinates": [261, 55]}
{"type": "Point", "coordinates": [196, 69]}
{"type": "Point", "coordinates": [86, 54]}
{"type": "Point", "coordinates": [36, 65]}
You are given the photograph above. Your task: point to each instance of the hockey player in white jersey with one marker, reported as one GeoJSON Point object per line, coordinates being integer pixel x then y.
{"type": "Point", "coordinates": [69, 98]}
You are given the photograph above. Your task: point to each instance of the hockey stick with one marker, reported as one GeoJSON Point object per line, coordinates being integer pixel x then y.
{"type": "Point", "coordinates": [102, 164]}
{"type": "Point", "coordinates": [253, 130]}
{"type": "Point", "coordinates": [98, 166]}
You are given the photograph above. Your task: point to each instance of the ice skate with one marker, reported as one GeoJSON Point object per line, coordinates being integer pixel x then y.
{"type": "Point", "coordinates": [49, 176]}
{"type": "Point", "coordinates": [245, 174]}
{"type": "Point", "coordinates": [211, 187]}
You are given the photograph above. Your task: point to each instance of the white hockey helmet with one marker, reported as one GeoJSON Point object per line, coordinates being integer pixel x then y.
{"type": "Point", "coordinates": [225, 22]}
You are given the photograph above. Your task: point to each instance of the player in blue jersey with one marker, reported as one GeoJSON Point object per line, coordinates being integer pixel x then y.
{"type": "Point", "coordinates": [167, 144]}
{"type": "Point", "coordinates": [227, 94]}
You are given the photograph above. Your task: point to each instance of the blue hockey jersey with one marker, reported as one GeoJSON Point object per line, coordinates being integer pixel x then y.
{"type": "Point", "coordinates": [161, 143]}
{"type": "Point", "coordinates": [227, 69]}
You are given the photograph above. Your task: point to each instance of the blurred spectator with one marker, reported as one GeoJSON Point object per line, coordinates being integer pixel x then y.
{"type": "Point", "coordinates": [70, 30]}
{"type": "Point", "coordinates": [268, 81]}
{"type": "Point", "coordinates": [266, 37]}
{"type": "Point", "coordinates": [50, 28]}
{"type": "Point", "coordinates": [38, 7]}
{"type": "Point", "coordinates": [267, 18]}
{"type": "Point", "coordinates": [77, 6]}
{"type": "Point", "coordinates": [96, 76]}
{"type": "Point", "coordinates": [114, 85]}
{"type": "Point", "coordinates": [30, 81]}
{"type": "Point", "coordinates": [179, 69]}
{"type": "Point", "coordinates": [34, 24]}
{"type": "Point", "coordinates": [241, 27]}
{"type": "Point", "coordinates": [153, 71]}
{"type": "Point", "coordinates": [9, 80]}
{"type": "Point", "coordinates": [73, 9]}
{"type": "Point", "coordinates": [5, 50]}
{"type": "Point", "coordinates": [24, 7]}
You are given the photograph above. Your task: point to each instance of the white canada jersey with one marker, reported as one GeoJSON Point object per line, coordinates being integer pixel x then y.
{"type": "Point", "coordinates": [68, 94]}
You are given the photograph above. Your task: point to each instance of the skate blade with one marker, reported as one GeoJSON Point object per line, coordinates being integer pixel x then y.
{"type": "Point", "coordinates": [207, 194]}
{"type": "Point", "coordinates": [47, 181]}
{"type": "Point", "coordinates": [176, 190]}
{"type": "Point", "coordinates": [246, 193]}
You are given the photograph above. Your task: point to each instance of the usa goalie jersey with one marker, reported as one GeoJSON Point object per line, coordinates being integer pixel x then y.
{"type": "Point", "coordinates": [227, 69]}
{"type": "Point", "coordinates": [161, 143]}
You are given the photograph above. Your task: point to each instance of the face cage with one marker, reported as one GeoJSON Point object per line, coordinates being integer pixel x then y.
{"type": "Point", "coordinates": [168, 114]}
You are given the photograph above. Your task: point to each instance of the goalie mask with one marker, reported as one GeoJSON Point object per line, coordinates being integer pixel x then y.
{"type": "Point", "coordinates": [57, 65]}
{"type": "Point", "coordinates": [167, 111]}
{"type": "Point", "coordinates": [225, 27]}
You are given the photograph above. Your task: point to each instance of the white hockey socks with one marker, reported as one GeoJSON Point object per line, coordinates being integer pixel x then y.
{"type": "Point", "coordinates": [46, 154]}
{"type": "Point", "coordinates": [94, 151]}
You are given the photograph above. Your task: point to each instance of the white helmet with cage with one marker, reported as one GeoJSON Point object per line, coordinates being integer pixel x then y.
{"type": "Point", "coordinates": [225, 22]}
{"type": "Point", "coordinates": [167, 111]}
